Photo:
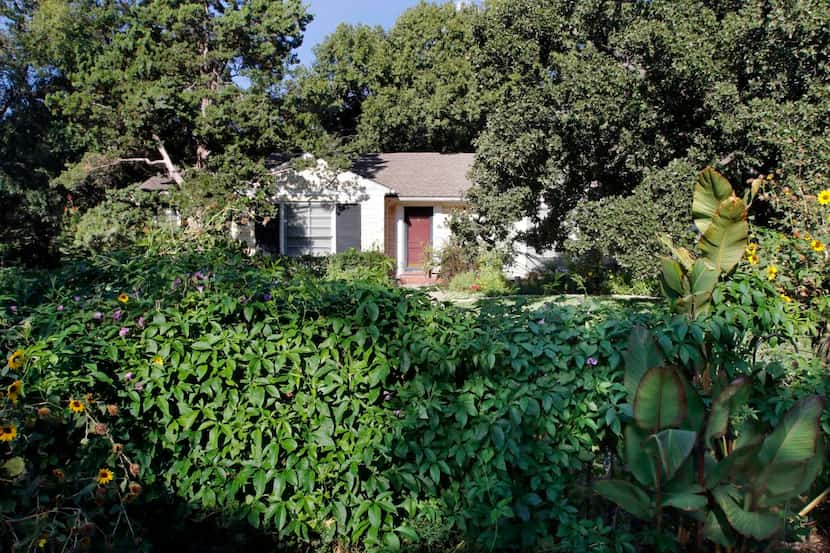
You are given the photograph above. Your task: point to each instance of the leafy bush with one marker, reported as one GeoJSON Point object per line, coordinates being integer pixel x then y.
{"type": "Point", "coordinates": [322, 412]}
{"type": "Point", "coordinates": [356, 266]}
{"type": "Point", "coordinates": [464, 282]}
{"type": "Point", "coordinates": [627, 228]}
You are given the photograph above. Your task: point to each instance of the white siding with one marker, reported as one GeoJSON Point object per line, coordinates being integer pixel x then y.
{"type": "Point", "coordinates": [322, 185]}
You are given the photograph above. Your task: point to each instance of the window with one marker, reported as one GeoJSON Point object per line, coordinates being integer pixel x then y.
{"type": "Point", "coordinates": [320, 229]}
{"type": "Point", "coordinates": [308, 229]}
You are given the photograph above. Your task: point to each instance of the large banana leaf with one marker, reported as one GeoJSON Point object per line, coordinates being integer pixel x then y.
{"type": "Point", "coordinates": [682, 255]}
{"type": "Point", "coordinates": [758, 525]}
{"type": "Point", "coordinates": [660, 401]}
{"type": "Point", "coordinates": [673, 447]}
{"type": "Point", "coordinates": [626, 495]}
{"type": "Point", "coordinates": [790, 481]}
{"type": "Point", "coordinates": [726, 238]}
{"type": "Point", "coordinates": [641, 354]}
{"type": "Point", "coordinates": [733, 396]}
{"type": "Point", "coordinates": [637, 457]}
{"type": "Point", "coordinates": [711, 189]}
{"type": "Point", "coordinates": [796, 438]}
{"type": "Point", "coordinates": [672, 279]}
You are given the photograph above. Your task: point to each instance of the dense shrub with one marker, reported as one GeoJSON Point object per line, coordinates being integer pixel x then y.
{"type": "Point", "coordinates": [626, 228]}
{"type": "Point", "coordinates": [357, 266]}
{"type": "Point", "coordinates": [318, 411]}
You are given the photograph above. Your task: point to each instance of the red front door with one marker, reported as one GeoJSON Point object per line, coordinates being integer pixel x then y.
{"type": "Point", "coordinates": [418, 234]}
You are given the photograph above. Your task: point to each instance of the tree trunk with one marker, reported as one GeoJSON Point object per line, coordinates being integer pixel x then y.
{"type": "Point", "coordinates": [172, 170]}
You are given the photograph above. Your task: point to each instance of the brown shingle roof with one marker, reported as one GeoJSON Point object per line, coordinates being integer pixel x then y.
{"type": "Point", "coordinates": [419, 174]}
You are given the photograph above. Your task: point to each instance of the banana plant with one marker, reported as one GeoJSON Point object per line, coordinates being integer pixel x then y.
{"type": "Point", "coordinates": [721, 218]}
{"type": "Point", "coordinates": [731, 480]}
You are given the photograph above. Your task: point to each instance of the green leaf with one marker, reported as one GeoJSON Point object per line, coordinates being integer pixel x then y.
{"type": "Point", "coordinates": [674, 285]}
{"type": "Point", "coordinates": [673, 447]}
{"type": "Point", "coordinates": [374, 515]}
{"type": "Point", "coordinates": [725, 240]}
{"type": "Point", "coordinates": [626, 495]}
{"type": "Point", "coordinates": [14, 467]}
{"type": "Point", "coordinates": [710, 190]}
{"type": "Point", "coordinates": [637, 457]}
{"type": "Point", "coordinates": [641, 355]}
{"type": "Point", "coordinates": [391, 542]}
{"type": "Point", "coordinates": [796, 438]}
{"type": "Point", "coordinates": [733, 396]}
{"type": "Point", "coordinates": [660, 401]}
{"type": "Point", "coordinates": [758, 525]}
{"type": "Point", "coordinates": [685, 501]}
{"type": "Point", "coordinates": [716, 529]}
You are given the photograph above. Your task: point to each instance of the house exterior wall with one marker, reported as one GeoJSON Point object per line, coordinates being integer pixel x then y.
{"type": "Point", "coordinates": [319, 184]}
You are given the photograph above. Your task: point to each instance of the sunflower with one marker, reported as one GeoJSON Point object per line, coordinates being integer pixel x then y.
{"type": "Point", "coordinates": [824, 197]}
{"type": "Point", "coordinates": [14, 390]}
{"type": "Point", "coordinates": [16, 360]}
{"type": "Point", "coordinates": [76, 406]}
{"type": "Point", "coordinates": [104, 476]}
{"type": "Point", "coordinates": [123, 298]}
{"type": "Point", "coordinates": [817, 245]}
{"type": "Point", "coordinates": [772, 272]}
{"type": "Point", "coordinates": [8, 432]}
{"type": "Point", "coordinates": [752, 258]}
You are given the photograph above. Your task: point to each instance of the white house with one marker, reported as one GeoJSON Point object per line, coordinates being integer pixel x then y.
{"type": "Point", "coordinates": [398, 203]}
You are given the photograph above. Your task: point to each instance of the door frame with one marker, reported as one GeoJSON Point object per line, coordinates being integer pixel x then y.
{"type": "Point", "coordinates": [407, 267]}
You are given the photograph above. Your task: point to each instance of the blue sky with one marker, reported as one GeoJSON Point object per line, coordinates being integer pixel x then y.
{"type": "Point", "coordinates": [328, 14]}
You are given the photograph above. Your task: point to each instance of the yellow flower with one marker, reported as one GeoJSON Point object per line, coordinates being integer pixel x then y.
{"type": "Point", "coordinates": [753, 259]}
{"type": "Point", "coordinates": [7, 433]}
{"type": "Point", "coordinates": [16, 360]}
{"type": "Point", "coordinates": [123, 298]}
{"type": "Point", "coordinates": [752, 249]}
{"type": "Point", "coordinates": [824, 197]}
{"type": "Point", "coordinates": [772, 272]}
{"type": "Point", "coordinates": [786, 298]}
{"type": "Point", "coordinates": [14, 390]}
{"type": "Point", "coordinates": [817, 245]}
{"type": "Point", "coordinates": [76, 406]}
{"type": "Point", "coordinates": [157, 360]}
{"type": "Point", "coordinates": [41, 543]}
{"type": "Point", "coordinates": [105, 476]}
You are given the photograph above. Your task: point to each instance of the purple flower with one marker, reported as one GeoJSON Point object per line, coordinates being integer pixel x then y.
{"type": "Point", "coordinates": [139, 386]}
{"type": "Point", "coordinates": [97, 316]}
{"type": "Point", "coordinates": [128, 376]}
{"type": "Point", "coordinates": [200, 288]}
{"type": "Point", "coordinates": [540, 321]}
{"type": "Point", "coordinates": [176, 282]}
{"type": "Point", "coordinates": [267, 297]}
{"type": "Point", "coordinates": [124, 331]}
{"type": "Point", "coordinates": [387, 396]}
{"type": "Point", "coordinates": [398, 413]}
{"type": "Point", "coordinates": [140, 322]}
{"type": "Point", "coordinates": [77, 298]}
{"type": "Point", "coordinates": [592, 361]}
{"type": "Point", "coordinates": [61, 308]}
{"type": "Point", "coordinates": [13, 308]}
{"type": "Point", "coordinates": [116, 315]}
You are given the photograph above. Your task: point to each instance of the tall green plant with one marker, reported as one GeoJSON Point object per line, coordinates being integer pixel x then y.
{"type": "Point", "coordinates": [731, 479]}
{"type": "Point", "coordinates": [721, 218]}
{"type": "Point", "coordinates": [691, 454]}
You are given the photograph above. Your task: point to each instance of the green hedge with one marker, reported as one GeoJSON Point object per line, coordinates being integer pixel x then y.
{"type": "Point", "coordinates": [321, 411]}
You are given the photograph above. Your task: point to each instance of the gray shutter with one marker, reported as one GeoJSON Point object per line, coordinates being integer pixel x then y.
{"type": "Point", "coordinates": [348, 227]}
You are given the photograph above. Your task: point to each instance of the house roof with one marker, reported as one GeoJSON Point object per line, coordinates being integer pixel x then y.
{"type": "Point", "coordinates": [419, 174]}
